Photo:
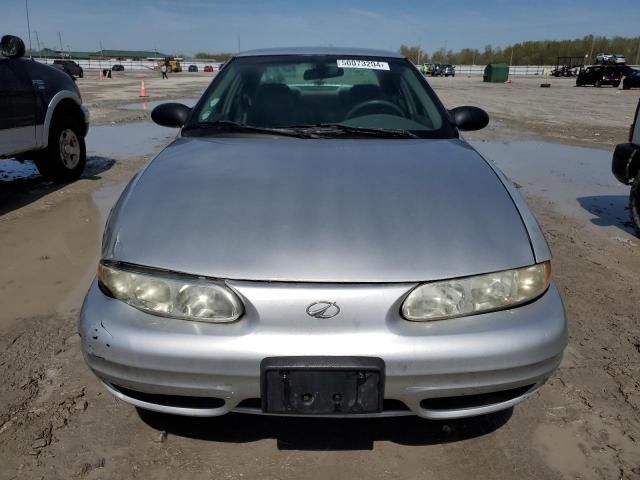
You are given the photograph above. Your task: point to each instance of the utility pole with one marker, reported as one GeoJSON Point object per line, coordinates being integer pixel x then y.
{"type": "Point", "coordinates": [101, 54]}
{"type": "Point", "coordinates": [38, 43]}
{"type": "Point", "coordinates": [593, 41]}
{"type": "Point", "coordinates": [26, 6]}
{"type": "Point", "coordinates": [61, 47]}
{"type": "Point", "coordinates": [638, 53]}
{"type": "Point", "coordinates": [511, 59]}
{"type": "Point", "coordinates": [238, 42]}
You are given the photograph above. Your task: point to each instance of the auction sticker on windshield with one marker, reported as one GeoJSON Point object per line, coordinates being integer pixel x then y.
{"type": "Point", "coordinates": [370, 64]}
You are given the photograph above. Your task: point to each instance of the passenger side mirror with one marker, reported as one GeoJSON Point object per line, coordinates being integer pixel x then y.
{"type": "Point", "coordinates": [469, 118]}
{"type": "Point", "coordinates": [11, 47]}
{"type": "Point", "coordinates": [171, 114]}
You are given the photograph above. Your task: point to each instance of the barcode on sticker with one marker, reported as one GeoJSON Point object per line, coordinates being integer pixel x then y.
{"type": "Point", "coordinates": [370, 64]}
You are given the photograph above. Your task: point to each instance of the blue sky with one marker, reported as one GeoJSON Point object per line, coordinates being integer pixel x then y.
{"type": "Point", "coordinates": [189, 26]}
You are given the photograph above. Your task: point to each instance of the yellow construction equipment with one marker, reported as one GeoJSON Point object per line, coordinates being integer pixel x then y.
{"type": "Point", "coordinates": [172, 63]}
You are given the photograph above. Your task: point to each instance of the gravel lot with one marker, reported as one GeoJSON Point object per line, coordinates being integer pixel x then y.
{"type": "Point", "coordinates": [56, 422]}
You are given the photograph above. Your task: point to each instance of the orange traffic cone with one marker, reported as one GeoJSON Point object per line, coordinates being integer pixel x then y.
{"type": "Point", "coordinates": [143, 89]}
{"type": "Point", "coordinates": [508, 82]}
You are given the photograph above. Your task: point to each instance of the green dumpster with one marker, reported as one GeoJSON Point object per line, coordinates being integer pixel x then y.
{"type": "Point", "coordinates": [496, 72]}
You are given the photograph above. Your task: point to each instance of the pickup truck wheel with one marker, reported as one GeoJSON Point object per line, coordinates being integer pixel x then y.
{"type": "Point", "coordinates": [65, 157]}
{"type": "Point", "coordinates": [634, 202]}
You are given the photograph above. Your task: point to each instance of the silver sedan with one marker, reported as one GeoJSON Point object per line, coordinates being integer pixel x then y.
{"type": "Point", "coordinates": [320, 240]}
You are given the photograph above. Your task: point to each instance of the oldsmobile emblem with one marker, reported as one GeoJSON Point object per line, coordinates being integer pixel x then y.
{"type": "Point", "coordinates": [323, 309]}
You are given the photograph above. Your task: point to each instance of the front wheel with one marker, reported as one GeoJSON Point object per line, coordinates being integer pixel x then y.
{"type": "Point", "coordinates": [597, 84]}
{"type": "Point", "coordinates": [634, 202]}
{"type": "Point", "coordinates": [65, 157]}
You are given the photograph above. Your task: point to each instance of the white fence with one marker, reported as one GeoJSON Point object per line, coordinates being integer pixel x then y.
{"type": "Point", "coordinates": [149, 65]}
{"type": "Point", "coordinates": [514, 70]}
{"type": "Point", "coordinates": [130, 64]}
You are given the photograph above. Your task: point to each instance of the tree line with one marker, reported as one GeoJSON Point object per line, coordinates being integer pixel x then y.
{"type": "Point", "coordinates": [535, 52]}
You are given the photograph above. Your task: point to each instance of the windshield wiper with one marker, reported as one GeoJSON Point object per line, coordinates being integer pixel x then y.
{"type": "Point", "coordinates": [228, 125]}
{"type": "Point", "coordinates": [321, 129]}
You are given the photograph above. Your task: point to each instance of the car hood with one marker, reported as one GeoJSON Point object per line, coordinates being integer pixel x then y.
{"type": "Point", "coordinates": [318, 210]}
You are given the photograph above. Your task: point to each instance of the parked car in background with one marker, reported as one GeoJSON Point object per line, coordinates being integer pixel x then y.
{"type": "Point", "coordinates": [603, 58]}
{"type": "Point", "coordinates": [435, 69]}
{"type": "Point", "coordinates": [71, 67]}
{"type": "Point", "coordinates": [118, 68]}
{"type": "Point", "coordinates": [208, 69]}
{"type": "Point", "coordinates": [386, 269]}
{"type": "Point", "coordinates": [610, 59]}
{"type": "Point", "coordinates": [632, 80]}
{"type": "Point", "coordinates": [564, 71]}
{"type": "Point", "coordinates": [448, 70]}
{"type": "Point", "coordinates": [599, 75]}
{"type": "Point", "coordinates": [192, 68]}
{"type": "Point", "coordinates": [626, 166]}
{"type": "Point", "coordinates": [42, 117]}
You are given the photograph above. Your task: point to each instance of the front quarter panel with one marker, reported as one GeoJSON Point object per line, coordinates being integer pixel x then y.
{"type": "Point", "coordinates": [539, 244]}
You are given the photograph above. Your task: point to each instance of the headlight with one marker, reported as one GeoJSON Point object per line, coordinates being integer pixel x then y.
{"type": "Point", "coordinates": [478, 294]}
{"type": "Point", "coordinates": [170, 295]}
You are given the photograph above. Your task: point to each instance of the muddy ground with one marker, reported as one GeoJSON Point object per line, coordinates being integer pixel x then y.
{"type": "Point", "coordinates": [56, 422]}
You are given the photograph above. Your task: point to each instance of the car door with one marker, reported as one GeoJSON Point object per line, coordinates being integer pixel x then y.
{"type": "Point", "coordinates": [17, 108]}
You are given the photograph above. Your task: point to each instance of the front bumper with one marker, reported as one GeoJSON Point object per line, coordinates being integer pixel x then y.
{"type": "Point", "coordinates": [144, 359]}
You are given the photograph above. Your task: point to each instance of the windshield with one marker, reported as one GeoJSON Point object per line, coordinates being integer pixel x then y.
{"type": "Point", "coordinates": [280, 92]}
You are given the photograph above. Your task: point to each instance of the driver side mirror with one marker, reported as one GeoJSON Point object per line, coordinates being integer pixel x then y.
{"type": "Point", "coordinates": [171, 114]}
{"type": "Point", "coordinates": [11, 47]}
{"type": "Point", "coordinates": [469, 118]}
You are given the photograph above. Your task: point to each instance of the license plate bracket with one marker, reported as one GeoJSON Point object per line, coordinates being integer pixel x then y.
{"type": "Point", "coordinates": [322, 385]}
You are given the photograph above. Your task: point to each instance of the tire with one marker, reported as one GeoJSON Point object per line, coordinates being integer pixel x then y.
{"type": "Point", "coordinates": [634, 202]}
{"type": "Point", "coordinates": [597, 84]}
{"type": "Point", "coordinates": [616, 85]}
{"type": "Point", "coordinates": [625, 86]}
{"type": "Point", "coordinates": [66, 156]}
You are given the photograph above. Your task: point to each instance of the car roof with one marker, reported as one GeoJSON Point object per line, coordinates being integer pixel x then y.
{"type": "Point", "coordinates": [365, 52]}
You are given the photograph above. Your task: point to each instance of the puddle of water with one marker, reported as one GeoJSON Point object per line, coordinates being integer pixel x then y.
{"type": "Point", "coordinates": [189, 102]}
{"type": "Point", "coordinates": [577, 180]}
{"type": "Point", "coordinates": [126, 141]}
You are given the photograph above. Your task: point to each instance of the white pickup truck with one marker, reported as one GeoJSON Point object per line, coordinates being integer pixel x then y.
{"type": "Point", "coordinates": [42, 117]}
